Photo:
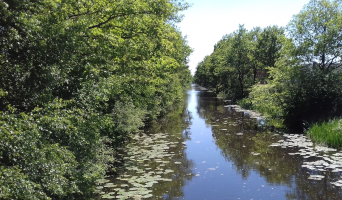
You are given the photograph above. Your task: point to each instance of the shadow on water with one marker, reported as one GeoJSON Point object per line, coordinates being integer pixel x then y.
{"type": "Point", "coordinates": [176, 125]}
{"type": "Point", "coordinates": [155, 165]}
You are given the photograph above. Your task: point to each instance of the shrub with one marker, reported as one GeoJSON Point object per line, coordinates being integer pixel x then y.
{"type": "Point", "coordinates": [246, 103]}
{"type": "Point", "coordinates": [266, 100]}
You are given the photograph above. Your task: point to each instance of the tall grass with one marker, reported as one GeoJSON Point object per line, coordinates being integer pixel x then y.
{"type": "Point", "coordinates": [328, 133]}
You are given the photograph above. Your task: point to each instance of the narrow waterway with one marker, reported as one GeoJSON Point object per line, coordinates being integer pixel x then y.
{"type": "Point", "coordinates": [208, 151]}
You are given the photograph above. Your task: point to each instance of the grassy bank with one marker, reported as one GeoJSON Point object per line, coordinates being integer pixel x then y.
{"type": "Point", "coordinates": [327, 133]}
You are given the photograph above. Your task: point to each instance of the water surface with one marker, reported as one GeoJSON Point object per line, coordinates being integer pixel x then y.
{"type": "Point", "coordinates": [216, 153]}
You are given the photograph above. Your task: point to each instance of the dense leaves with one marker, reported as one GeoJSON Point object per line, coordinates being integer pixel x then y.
{"type": "Point", "coordinates": [76, 79]}
{"type": "Point", "coordinates": [239, 60]}
{"type": "Point", "coordinates": [306, 85]}
{"type": "Point", "coordinates": [316, 52]}
{"type": "Point", "coordinates": [302, 67]}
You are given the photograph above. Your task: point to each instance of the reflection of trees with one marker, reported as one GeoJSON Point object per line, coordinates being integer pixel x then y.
{"type": "Point", "coordinates": [175, 124]}
{"type": "Point", "coordinates": [273, 163]}
{"type": "Point", "coordinates": [181, 175]}
{"type": "Point", "coordinates": [208, 105]}
{"type": "Point", "coordinates": [309, 189]}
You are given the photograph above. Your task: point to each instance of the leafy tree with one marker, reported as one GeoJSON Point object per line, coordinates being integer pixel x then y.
{"type": "Point", "coordinates": [237, 60]}
{"type": "Point", "coordinates": [269, 45]}
{"type": "Point", "coordinates": [76, 80]}
{"type": "Point", "coordinates": [302, 68]}
{"type": "Point", "coordinates": [315, 81]}
{"type": "Point", "coordinates": [306, 82]}
{"type": "Point", "coordinates": [316, 33]}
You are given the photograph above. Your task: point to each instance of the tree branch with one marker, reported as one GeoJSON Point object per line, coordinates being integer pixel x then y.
{"type": "Point", "coordinates": [115, 16]}
{"type": "Point", "coordinates": [78, 15]}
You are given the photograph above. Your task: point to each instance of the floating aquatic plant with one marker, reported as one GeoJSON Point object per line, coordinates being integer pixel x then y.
{"type": "Point", "coordinates": [145, 164]}
{"type": "Point", "coordinates": [328, 158]}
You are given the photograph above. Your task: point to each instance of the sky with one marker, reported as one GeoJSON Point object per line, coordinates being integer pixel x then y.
{"type": "Point", "coordinates": [207, 21]}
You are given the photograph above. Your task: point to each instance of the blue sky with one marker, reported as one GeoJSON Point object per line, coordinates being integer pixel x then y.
{"type": "Point", "coordinates": [207, 21]}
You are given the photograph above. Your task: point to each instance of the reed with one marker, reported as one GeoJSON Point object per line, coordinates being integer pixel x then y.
{"type": "Point", "coordinates": [328, 133]}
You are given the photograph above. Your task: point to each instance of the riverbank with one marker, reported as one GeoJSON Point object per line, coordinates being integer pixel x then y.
{"type": "Point", "coordinates": [237, 108]}
{"type": "Point", "coordinates": [251, 113]}
{"type": "Point", "coordinates": [72, 93]}
{"type": "Point", "coordinates": [302, 87]}
{"type": "Point", "coordinates": [327, 133]}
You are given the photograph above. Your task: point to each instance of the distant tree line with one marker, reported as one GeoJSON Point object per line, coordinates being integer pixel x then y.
{"type": "Point", "coordinates": [76, 79]}
{"type": "Point", "coordinates": [240, 60]}
{"type": "Point", "coordinates": [300, 63]}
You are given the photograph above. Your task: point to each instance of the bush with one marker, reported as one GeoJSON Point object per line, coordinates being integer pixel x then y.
{"type": "Point", "coordinates": [58, 150]}
{"type": "Point", "coordinates": [15, 185]}
{"type": "Point", "coordinates": [266, 100]}
{"type": "Point", "coordinates": [246, 103]}
{"type": "Point", "coordinates": [313, 96]}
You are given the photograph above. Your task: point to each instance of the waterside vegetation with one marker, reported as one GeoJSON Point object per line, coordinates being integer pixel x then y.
{"type": "Point", "coordinates": [327, 132]}
{"type": "Point", "coordinates": [77, 78]}
{"type": "Point", "coordinates": [300, 64]}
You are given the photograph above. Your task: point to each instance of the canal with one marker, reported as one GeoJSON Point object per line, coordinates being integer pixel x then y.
{"type": "Point", "coordinates": [206, 150]}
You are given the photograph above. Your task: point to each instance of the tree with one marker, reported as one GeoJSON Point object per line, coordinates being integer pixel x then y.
{"type": "Point", "coordinates": [306, 83]}
{"type": "Point", "coordinates": [316, 33]}
{"type": "Point", "coordinates": [237, 59]}
{"type": "Point", "coordinates": [77, 79]}
{"type": "Point", "coordinates": [269, 45]}
{"type": "Point", "coordinates": [315, 81]}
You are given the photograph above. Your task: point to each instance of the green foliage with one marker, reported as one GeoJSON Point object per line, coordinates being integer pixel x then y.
{"type": "Point", "coordinates": [57, 148]}
{"type": "Point", "coordinates": [305, 85]}
{"type": "Point", "coordinates": [302, 69]}
{"type": "Point", "coordinates": [2, 93]}
{"type": "Point", "coordinates": [246, 103]}
{"type": "Point", "coordinates": [316, 33]}
{"type": "Point", "coordinates": [316, 96]}
{"type": "Point", "coordinates": [268, 46]}
{"type": "Point", "coordinates": [239, 60]}
{"type": "Point", "coordinates": [300, 95]}
{"type": "Point", "coordinates": [16, 185]}
{"type": "Point", "coordinates": [328, 133]}
{"type": "Point", "coordinates": [22, 145]}
{"type": "Point", "coordinates": [314, 89]}
{"type": "Point", "coordinates": [76, 80]}
{"type": "Point", "coordinates": [266, 100]}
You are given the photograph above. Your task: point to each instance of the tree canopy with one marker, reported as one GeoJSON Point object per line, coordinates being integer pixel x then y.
{"type": "Point", "coordinates": [76, 79]}
{"type": "Point", "coordinates": [240, 60]}
{"type": "Point", "coordinates": [301, 64]}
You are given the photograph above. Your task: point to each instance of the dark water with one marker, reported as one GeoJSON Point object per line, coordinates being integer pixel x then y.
{"type": "Point", "coordinates": [219, 164]}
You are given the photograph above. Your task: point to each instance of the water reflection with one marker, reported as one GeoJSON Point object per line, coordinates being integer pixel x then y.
{"type": "Point", "coordinates": [266, 172]}
{"type": "Point", "coordinates": [155, 165]}
{"type": "Point", "coordinates": [176, 125]}
{"type": "Point", "coordinates": [213, 152]}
